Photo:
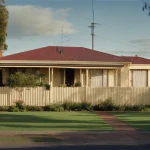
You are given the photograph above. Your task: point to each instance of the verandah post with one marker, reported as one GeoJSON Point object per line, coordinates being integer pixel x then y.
{"type": "Point", "coordinates": [86, 87]}
{"type": "Point", "coordinates": [49, 82]}
{"type": "Point", "coordinates": [51, 85]}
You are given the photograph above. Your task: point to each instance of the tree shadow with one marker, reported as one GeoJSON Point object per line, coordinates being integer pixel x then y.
{"type": "Point", "coordinates": [18, 118]}
{"type": "Point", "coordinates": [31, 122]}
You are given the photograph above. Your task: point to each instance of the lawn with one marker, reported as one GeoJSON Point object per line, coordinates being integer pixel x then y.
{"type": "Point", "coordinates": [46, 121]}
{"type": "Point", "coordinates": [29, 138]}
{"type": "Point", "coordinates": [139, 120]}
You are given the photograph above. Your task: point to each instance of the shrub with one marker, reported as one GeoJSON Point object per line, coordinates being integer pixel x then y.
{"type": "Point", "coordinates": [20, 80]}
{"type": "Point", "coordinates": [98, 107]}
{"type": "Point", "coordinates": [144, 107]}
{"type": "Point", "coordinates": [3, 108]}
{"type": "Point", "coordinates": [19, 102]}
{"type": "Point", "coordinates": [47, 86]}
{"type": "Point", "coordinates": [13, 109]}
{"type": "Point", "coordinates": [76, 107]}
{"type": "Point", "coordinates": [134, 107]}
{"type": "Point", "coordinates": [106, 105]}
{"type": "Point", "coordinates": [59, 109]}
{"type": "Point", "coordinates": [86, 106]}
{"type": "Point", "coordinates": [147, 108]}
{"type": "Point", "coordinates": [34, 108]}
{"type": "Point", "coordinates": [72, 106]}
{"type": "Point", "coordinates": [47, 108]}
{"type": "Point", "coordinates": [77, 84]}
{"type": "Point", "coordinates": [20, 105]}
{"type": "Point", "coordinates": [62, 85]}
{"type": "Point", "coordinates": [120, 108]}
{"type": "Point", "coordinates": [53, 108]}
{"type": "Point", "coordinates": [67, 106]}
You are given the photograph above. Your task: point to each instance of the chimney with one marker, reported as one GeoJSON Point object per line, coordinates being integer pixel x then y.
{"type": "Point", "coordinates": [1, 53]}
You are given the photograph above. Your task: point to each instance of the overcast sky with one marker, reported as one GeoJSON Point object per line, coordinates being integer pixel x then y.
{"type": "Point", "coordinates": [124, 28]}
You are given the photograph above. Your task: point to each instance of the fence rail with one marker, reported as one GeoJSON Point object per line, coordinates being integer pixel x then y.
{"type": "Point", "coordinates": [40, 96]}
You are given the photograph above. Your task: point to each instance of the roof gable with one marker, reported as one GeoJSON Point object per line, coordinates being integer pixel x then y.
{"type": "Point", "coordinates": [68, 54]}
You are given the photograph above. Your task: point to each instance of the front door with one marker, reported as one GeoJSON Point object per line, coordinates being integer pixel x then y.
{"type": "Point", "coordinates": [69, 77]}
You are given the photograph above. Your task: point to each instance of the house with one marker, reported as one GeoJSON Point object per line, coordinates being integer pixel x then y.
{"type": "Point", "coordinates": [69, 65]}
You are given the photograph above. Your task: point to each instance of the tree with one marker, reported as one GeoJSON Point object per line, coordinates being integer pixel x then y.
{"type": "Point", "coordinates": [146, 7]}
{"type": "Point", "coordinates": [3, 25]}
{"type": "Point", "coordinates": [20, 80]}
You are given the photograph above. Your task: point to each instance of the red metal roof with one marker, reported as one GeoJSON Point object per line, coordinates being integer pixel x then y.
{"type": "Point", "coordinates": [68, 54]}
{"type": "Point", "coordinates": [137, 59]}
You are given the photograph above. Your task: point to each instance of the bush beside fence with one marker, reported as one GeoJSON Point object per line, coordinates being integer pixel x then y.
{"type": "Point", "coordinates": [107, 105]}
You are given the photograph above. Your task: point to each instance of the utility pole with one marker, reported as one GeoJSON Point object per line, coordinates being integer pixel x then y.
{"type": "Point", "coordinates": [92, 33]}
{"type": "Point", "coordinates": [92, 26]}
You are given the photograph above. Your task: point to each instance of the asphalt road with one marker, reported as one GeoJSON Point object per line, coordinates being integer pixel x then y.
{"type": "Point", "coordinates": [86, 147]}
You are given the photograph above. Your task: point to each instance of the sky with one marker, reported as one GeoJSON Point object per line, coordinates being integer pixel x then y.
{"type": "Point", "coordinates": [122, 29]}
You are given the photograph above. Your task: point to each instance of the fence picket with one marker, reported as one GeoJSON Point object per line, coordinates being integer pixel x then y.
{"type": "Point", "coordinates": [40, 96]}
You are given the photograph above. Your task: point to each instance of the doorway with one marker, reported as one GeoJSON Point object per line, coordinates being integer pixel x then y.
{"type": "Point", "coordinates": [70, 77]}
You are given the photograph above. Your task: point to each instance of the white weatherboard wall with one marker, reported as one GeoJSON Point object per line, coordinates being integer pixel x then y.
{"type": "Point", "coordinates": [58, 95]}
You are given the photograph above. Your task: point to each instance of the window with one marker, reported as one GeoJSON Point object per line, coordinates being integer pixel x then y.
{"type": "Point", "coordinates": [99, 78]}
{"type": "Point", "coordinates": [139, 78]}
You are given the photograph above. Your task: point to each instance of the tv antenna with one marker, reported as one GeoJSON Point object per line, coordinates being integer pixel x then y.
{"type": "Point", "coordinates": [92, 26]}
{"type": "Point", "coordinates": [60, 49]}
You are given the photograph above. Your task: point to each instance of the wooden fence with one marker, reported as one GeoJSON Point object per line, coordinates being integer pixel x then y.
{"type": "Point", "coordinates": [40, 96]}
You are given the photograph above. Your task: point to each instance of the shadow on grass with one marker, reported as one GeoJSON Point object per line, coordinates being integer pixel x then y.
{"type": "Point", "coordinates": [41, 138]}
{"type": "Point", "coordinates": [60, 127]}
{"type": "Point", "coordinates": [41, 119]}
{"type": "Point", "coordinates": [22, 121]}
{"type": "Point", "coordinates": [29, 138]}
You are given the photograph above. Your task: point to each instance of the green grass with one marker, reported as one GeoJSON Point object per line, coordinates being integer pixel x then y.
{"type": "Point", "coordinates": [56, 121]}
{"type": "Point", "coordinates": [139, 120]}
{"type": "Point", "coordinates": [29, 138]}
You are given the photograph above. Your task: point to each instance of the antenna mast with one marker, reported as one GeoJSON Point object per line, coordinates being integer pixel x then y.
{"type": "Point", "coordinates": [62, 34]}
{"type": "Point", "coordinates": [92, 26]}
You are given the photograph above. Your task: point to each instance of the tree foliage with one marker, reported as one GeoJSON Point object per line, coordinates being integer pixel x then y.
{"type": "Point", "coordinates": [20, 80]}
{"type": "Point", "coordinates": [3, 25]}
{"type": "Point", "coordinates": [146, 7]}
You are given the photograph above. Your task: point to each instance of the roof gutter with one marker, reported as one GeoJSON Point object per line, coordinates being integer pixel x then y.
{"type": "Point", "coordinates": [58, 62]}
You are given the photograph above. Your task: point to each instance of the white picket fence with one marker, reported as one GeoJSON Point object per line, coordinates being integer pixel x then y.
{"type": "Point", "coordinates": [40, 96]}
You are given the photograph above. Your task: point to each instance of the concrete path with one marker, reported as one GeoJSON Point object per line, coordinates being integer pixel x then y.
{"type": "Point", "coordinates": [114, 122]}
